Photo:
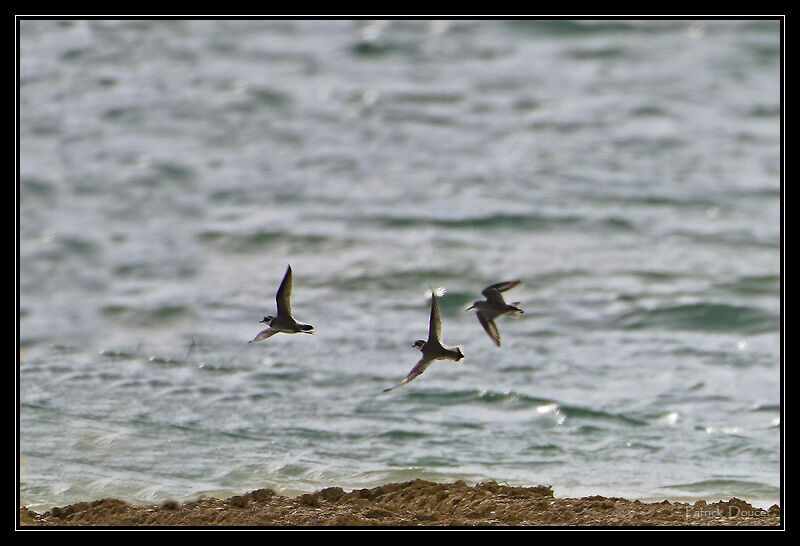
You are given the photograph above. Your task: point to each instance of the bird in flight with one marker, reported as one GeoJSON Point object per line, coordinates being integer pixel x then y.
{"type": "Point", "coordinates": [495, 306]}
{"type": "Point", "coordinates": [432, 349]}
{"type": "Point", "coordinates": [283, 321]}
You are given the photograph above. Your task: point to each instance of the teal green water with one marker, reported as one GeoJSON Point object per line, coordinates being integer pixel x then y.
{"type": "Point", "coordinates": [626, 172]}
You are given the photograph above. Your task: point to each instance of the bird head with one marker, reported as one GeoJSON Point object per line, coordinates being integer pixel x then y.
{"type": "Point", "coordinates": [419, 343]}
{"type": "Point", "coordinates": [267, 320]}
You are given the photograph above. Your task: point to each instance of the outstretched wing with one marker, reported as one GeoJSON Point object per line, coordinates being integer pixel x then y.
{"type": "Point", "coordinates": [435, 326]}
{"type": "Point", "coordinates": [502, 286]}
{"type": "Point", "coordinates": [492, 293]}
{"type": "Point", "coordinates": [420, 367]}
{"type": "Point", "coordinates": [264, 334]}
{"type": "Point", "coordinates": [284, 296]}
{"type": "Point", "coordinates": [494, 297]}
{"type": "Point", "coordinates": [505, 285]}
{"type": "Point", "coordinates": [490, 327]}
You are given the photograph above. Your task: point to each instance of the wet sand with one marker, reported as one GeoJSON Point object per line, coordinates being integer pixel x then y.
{"type": "Point", "coordinates": [414, 503]}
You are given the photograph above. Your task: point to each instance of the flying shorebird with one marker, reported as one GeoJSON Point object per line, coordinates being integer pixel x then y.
{"type": "Point", "coordinates": [283, 321]}
{"type": "Point", "coordinates": [433, 348]}
{"type": "Point", "coordinates": [495, 306]}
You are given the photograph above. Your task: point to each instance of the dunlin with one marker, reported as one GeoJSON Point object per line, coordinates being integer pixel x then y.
{"type": "Point", "coordinates": [433, 348]}
{"type": "Point", "coordinates": [283, 321]}
{"type": "Point", "coordinates": [495, 306]}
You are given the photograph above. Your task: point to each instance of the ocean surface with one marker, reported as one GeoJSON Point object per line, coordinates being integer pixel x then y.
{"type": "Point", "coordinates": [627, 172]}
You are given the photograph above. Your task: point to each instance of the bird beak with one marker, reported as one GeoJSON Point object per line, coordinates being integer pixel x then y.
{"type": "Point", "coordinates": [470, 307]}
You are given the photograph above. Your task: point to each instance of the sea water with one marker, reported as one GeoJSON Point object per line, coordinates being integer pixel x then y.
{"type": "Point", "coordinates": [628, 172]}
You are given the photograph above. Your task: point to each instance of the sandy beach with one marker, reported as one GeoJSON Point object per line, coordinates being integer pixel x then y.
{"type": "Point", "coordinates": [414, 503]}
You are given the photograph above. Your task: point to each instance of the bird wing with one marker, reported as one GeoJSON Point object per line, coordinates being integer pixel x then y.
{"type": "Point", "coordinates": [493, 296]}
{"type": "Point", "coordinates": [505, 285]}
{"type": "Point", "coordinates": [435, 326]}
{"type": "Point", "coordinates": [264, 334]}
{"type": "Point", "coordinates": [420, 367]}
{"type": "Point", "coordinates": [490, 327]}
{"type": "Point", "coordinates": [284, 296]}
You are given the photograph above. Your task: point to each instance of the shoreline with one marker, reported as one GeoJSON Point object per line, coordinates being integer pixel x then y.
{"type": "Point", "coordinates": [412, 503]}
